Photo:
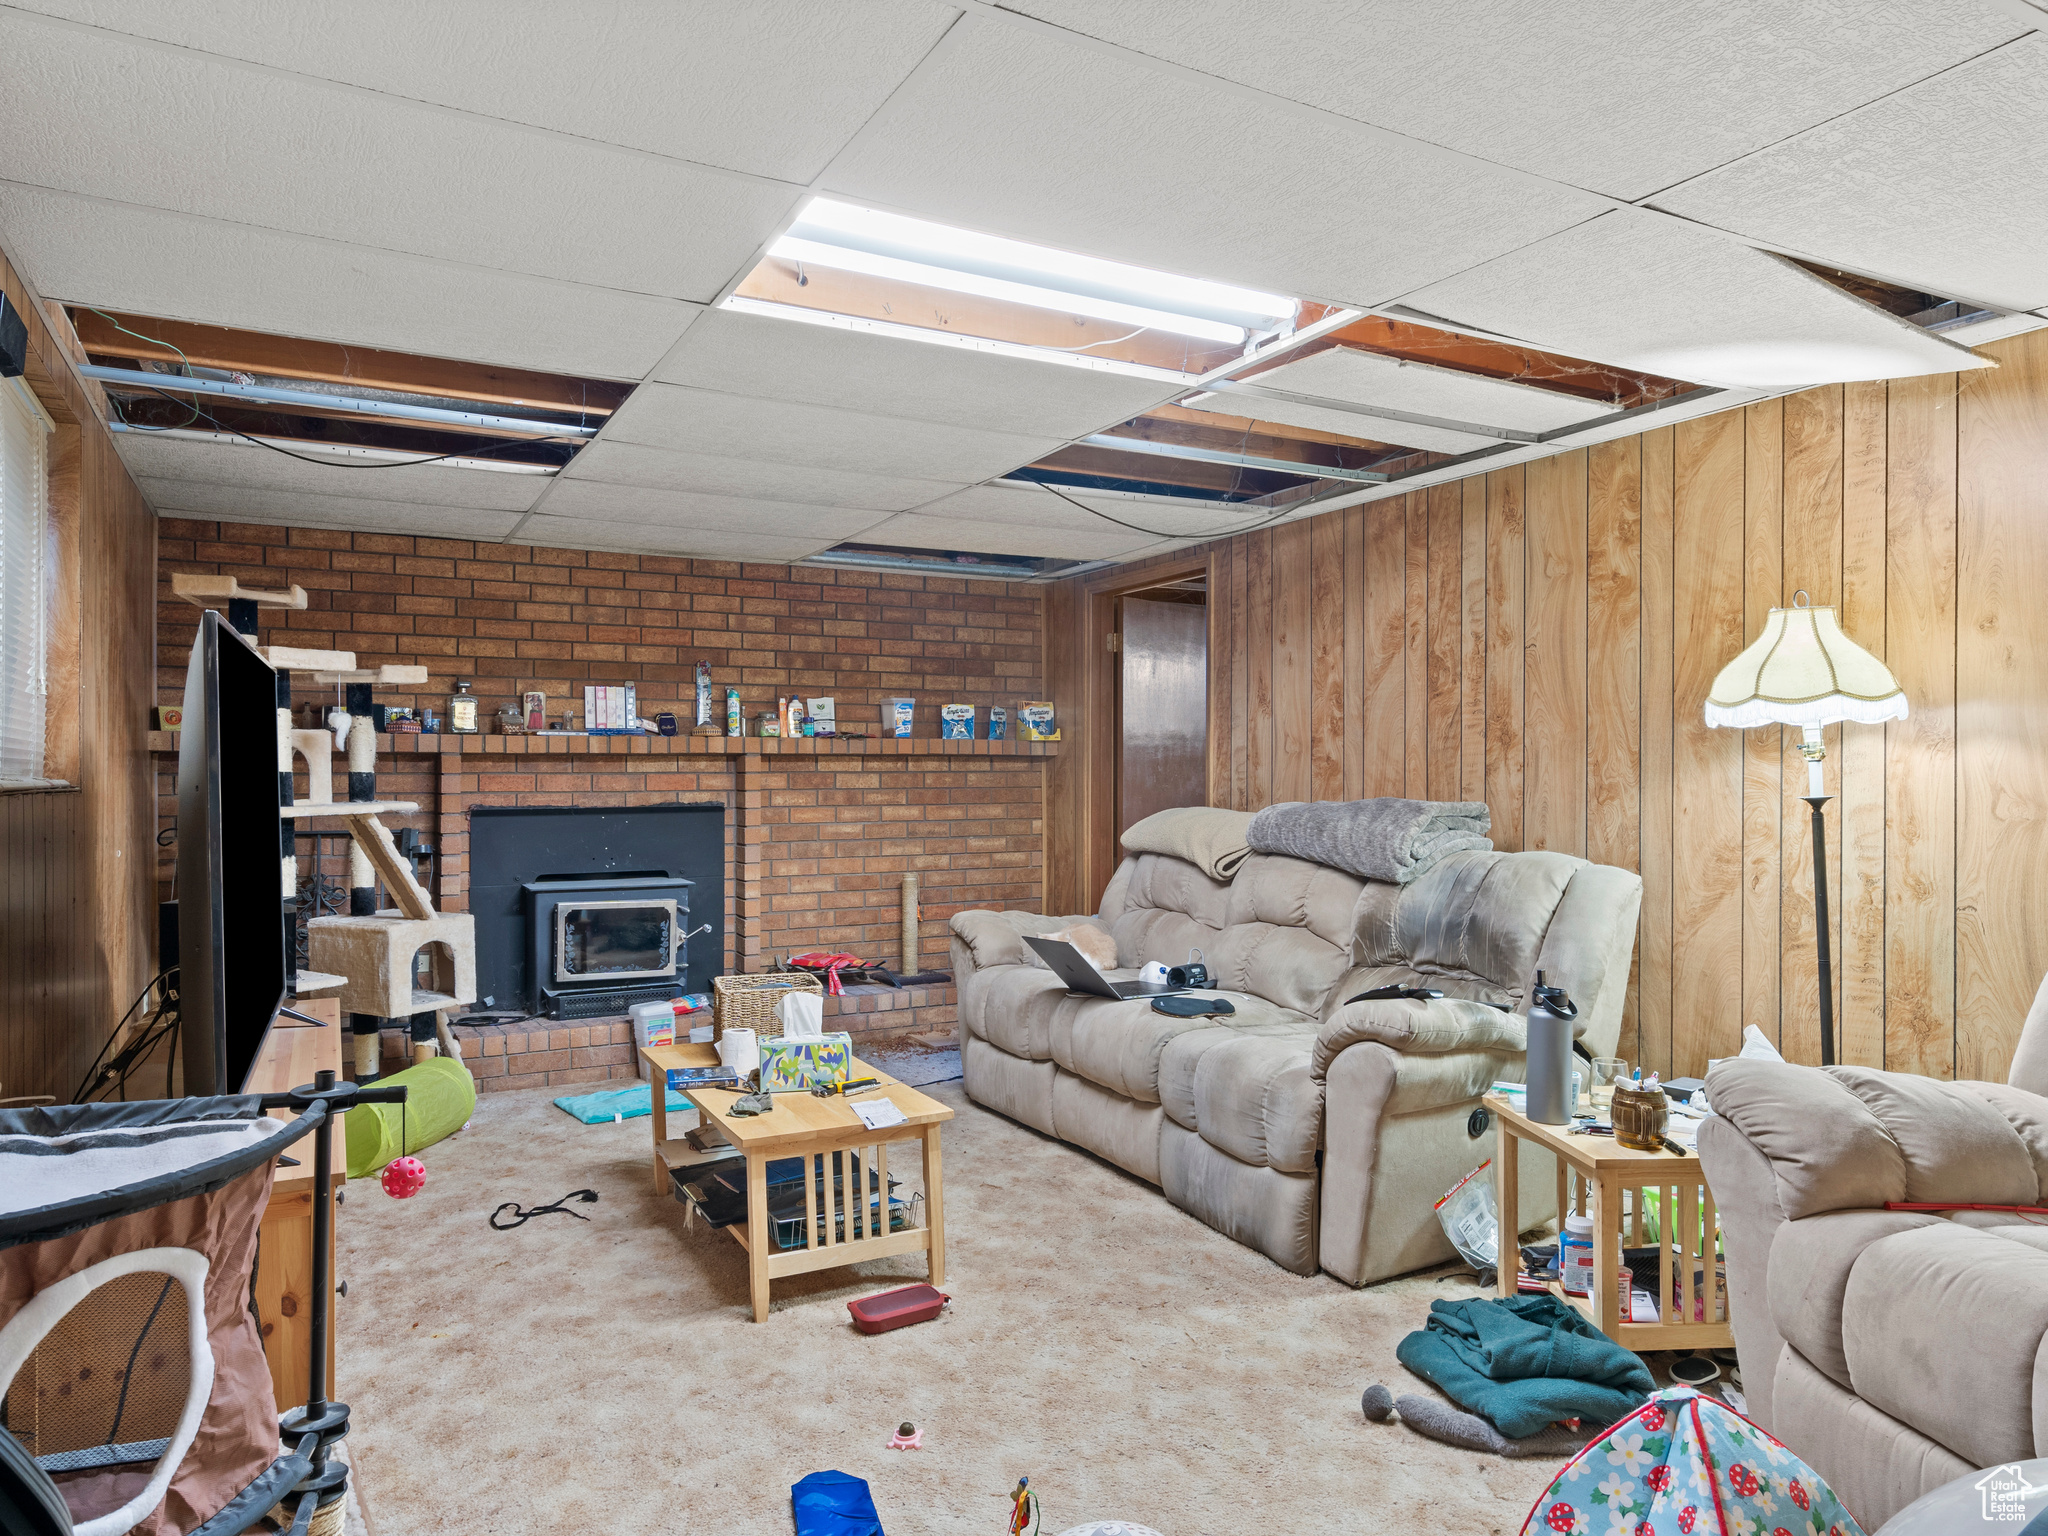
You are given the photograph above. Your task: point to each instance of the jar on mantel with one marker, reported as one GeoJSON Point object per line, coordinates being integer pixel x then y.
{"type": "Point", "coordinates": [462, 710]}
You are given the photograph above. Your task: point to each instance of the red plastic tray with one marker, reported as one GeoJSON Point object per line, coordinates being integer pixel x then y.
{"type": "Point", "coordinates": [897, 1309]}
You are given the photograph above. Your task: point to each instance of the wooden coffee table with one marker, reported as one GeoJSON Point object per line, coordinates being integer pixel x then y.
{"type": "Point", "coordinates": [805, 1126]}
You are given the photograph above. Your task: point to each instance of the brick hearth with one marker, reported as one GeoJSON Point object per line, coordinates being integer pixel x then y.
{"type": "Point", "coordinates": [540, 1053]}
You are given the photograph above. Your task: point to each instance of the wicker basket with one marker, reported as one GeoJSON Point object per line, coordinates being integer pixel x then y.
{"type": "Point", "coordinates": [748, 1002]}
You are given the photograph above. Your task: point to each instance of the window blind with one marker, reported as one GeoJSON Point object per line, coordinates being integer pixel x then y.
{"type": "Point", "coordinates": [24, 533]}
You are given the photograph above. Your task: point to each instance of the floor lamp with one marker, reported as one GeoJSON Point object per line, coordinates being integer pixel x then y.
{"type": "Point", "coordinates": [1802, 670]}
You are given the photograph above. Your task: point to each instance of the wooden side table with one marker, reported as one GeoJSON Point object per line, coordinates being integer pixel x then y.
{"type": "Point", "coordinates": [802, 1125]}
{"type": "Point", "coordinates": [1609, 1182]}
{"type": "Point", "coordinates": [292, 1053]}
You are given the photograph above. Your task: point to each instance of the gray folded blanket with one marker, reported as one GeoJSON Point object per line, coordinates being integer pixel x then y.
{"type": "Point", "coordinates": [1390, 840]}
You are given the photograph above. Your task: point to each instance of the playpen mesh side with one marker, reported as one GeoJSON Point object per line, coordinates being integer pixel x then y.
{"type": "Point", "coordinates": [108, 1383]}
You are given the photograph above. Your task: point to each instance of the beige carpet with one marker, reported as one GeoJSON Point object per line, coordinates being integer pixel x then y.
{"type": "Point", "coordinates": [605, 1375]}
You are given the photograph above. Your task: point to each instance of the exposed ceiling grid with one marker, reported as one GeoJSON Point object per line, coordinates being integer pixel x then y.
{"type": "Point", "coordinates": [564, 189]}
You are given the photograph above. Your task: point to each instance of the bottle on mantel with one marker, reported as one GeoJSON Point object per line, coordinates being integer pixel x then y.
{"type": "Point", "coordinates": [462, 710]}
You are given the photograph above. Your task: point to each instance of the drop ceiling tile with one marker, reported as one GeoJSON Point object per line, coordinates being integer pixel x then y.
{"type": "Point", "coordinates": [770, 89]}
{"type": "Point", "coordinates": [914, 530]}
{"type": "Point", "coordinates": [248, 504]}
{"type": "Point", "coordinates": [1621, 99]}
{"type": "Point", "coordinates": [660, 539]}
{"type": "Point", "coordinates": [1015, 131]}
{"type": "Point", "coordinates": [1367, 378]}
{"type": "Point", "coordinates": [775, 359]}
{"type": "Point", "coordinates": [1328, 418]}
{"type": "Point", "coordinates": [1944, 185]}
{"type": "Point", "coordinates": [1655, 294]}
{"type": "Point", "coordinates": [621, 463]}
{"type": "Point", "coordinates": [595, 500]}
{"type": "Point", "coordinates": [120, 256]}
{"type": "Point", "coordinates": [171, 128]}
{"type": "Point", "coordinates": [258, 469]}
{"type": "Point", "coordinates": [1347, 375]}
{"type": "Point", "coordinates": [778, 432]}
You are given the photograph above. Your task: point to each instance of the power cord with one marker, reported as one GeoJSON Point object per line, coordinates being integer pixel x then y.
{"type": "Point", "coordinates": [560, 1207]}
{"type": "Point", "coordinates": [1160, 534]}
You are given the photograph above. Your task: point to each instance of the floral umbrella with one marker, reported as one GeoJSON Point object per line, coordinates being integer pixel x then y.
{"type": "Point", "coordinates": [1687, 1465]}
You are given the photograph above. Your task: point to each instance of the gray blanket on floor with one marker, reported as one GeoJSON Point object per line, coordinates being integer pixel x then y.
{"type": "Point", "coordinates": [1390, 840]}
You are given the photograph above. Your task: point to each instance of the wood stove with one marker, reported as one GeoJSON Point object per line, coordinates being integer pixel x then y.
{"type": "Point", "coordinates": [524, 861]}
{"type": "Point", "coordinates": [597, 944]}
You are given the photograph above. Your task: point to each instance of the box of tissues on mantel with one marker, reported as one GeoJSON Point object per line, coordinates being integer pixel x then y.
{"type": "Point", "coordinates": [804, 1056]}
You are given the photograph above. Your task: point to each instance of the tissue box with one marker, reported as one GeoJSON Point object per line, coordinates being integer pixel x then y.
{"type": "Point", "coordinates": [791, 1064]}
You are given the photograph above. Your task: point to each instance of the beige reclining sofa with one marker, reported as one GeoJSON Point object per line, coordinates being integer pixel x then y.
{"type": "Point", "coordinates": [1893, 1350]}
{"type": "Point", "coordinates": [1317, 1131]}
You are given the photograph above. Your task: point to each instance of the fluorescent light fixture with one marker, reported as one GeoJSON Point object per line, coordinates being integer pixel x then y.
{"type": "Point", "coordinates": [852, 238]}
{"type": "Point", "coordinates": [826, 317]}
{"type": "Point", "coordinates": [815, 254]}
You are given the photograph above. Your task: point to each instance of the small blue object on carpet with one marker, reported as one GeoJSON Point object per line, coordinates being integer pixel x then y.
{"type": "Point", "coordinates": [618, 1104]}
{"type": "Point", "coordinates": [833, 1504]}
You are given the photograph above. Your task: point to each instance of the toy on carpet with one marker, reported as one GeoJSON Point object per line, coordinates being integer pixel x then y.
{"type": "Point", "coordinates": [1023, 1508]}
{"type": "Point", "coordinates": [908, 1437]}
{"type": "Point", "coordinates": [833, 1504]}
{"type": "Point", "coordinates": [439, 1090]}
{"type": "Point", "coordinates": [1686, 1465]}
{"type": "Point", "coordinates": [403, 1177]}
{"type": "Point", "coordinates": [1453, 1426]}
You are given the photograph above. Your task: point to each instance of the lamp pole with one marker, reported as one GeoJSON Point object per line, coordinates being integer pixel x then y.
{"type": "Point", "coordinates": [1814, 749]}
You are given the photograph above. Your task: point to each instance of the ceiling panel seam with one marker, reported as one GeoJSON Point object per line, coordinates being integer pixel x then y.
{"type": "Point", "coordinates": [990, 9]}
{"type": "Point", "coordinates": [346, 87]}
{"type": "Point", "coordinates": [344, 245]}
{"type": "Point", "coordinates": [811, 187]}
{"type": "Point", "coordinates": [1649, 200]}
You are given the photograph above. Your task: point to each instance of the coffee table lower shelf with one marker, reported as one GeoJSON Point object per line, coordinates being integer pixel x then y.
{"type": "Point", "coordinates": [811, 1128]}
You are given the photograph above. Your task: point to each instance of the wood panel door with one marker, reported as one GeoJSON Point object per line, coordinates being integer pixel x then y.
{"type": "Point", "coordinates": [1163, 708]}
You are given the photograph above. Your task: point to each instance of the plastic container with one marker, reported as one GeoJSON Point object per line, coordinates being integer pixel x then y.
{"type": "Point", "coordinates": [1575, 1255]}
{"type": "Point", "coordinates": [897, 1309]}
{"type": "Point", "coordinates": [1550, 1055]}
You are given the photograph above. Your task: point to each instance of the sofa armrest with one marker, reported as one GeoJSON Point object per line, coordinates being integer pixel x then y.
{"type": "Point", "coordinates": [1430, 1027]}
{"type": "Point", "coordinates": [1746, 1199]}
{"type": "Point", "coordinates": [997, 938]}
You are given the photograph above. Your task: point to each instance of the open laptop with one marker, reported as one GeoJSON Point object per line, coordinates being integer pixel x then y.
{"type": "Point", "coordinates": [1080, 974]}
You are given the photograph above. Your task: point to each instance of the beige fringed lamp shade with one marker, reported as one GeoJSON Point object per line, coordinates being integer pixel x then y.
{"type": "Point", "coordinates": [1802, 670]}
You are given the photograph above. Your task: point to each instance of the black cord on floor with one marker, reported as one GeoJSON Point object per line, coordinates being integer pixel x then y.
{"type": "Point", "coordinates": [561, 1207]}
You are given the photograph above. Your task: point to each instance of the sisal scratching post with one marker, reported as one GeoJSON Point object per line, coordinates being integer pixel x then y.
{"type": "Point", "coordinates": [910, 965]}
{"type": "Point", "coordinates": [362, 874]}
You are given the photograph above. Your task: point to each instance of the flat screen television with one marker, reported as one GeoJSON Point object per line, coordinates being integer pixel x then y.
{"type": "Point", "coordinates": [231, 882]}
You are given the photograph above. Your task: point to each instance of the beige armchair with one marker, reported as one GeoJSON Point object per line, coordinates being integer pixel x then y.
{"type": "Point", "coordinates": [1895, 1350]}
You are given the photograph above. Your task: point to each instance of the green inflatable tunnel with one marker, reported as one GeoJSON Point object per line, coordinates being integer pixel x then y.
{"type": "Point", "coordinates": [441, 1100]}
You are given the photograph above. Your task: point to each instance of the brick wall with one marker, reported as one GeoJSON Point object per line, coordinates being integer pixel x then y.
{"type": "Point", "coordinates": [834, 836]}
{"type": "Point", "coordinates": [510, 617]}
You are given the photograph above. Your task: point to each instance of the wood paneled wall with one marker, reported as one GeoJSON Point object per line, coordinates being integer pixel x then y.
{"type": "Point", "coordinates": [1543, 638]}
{"type": "Point", "coordinates": [77, 908]}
